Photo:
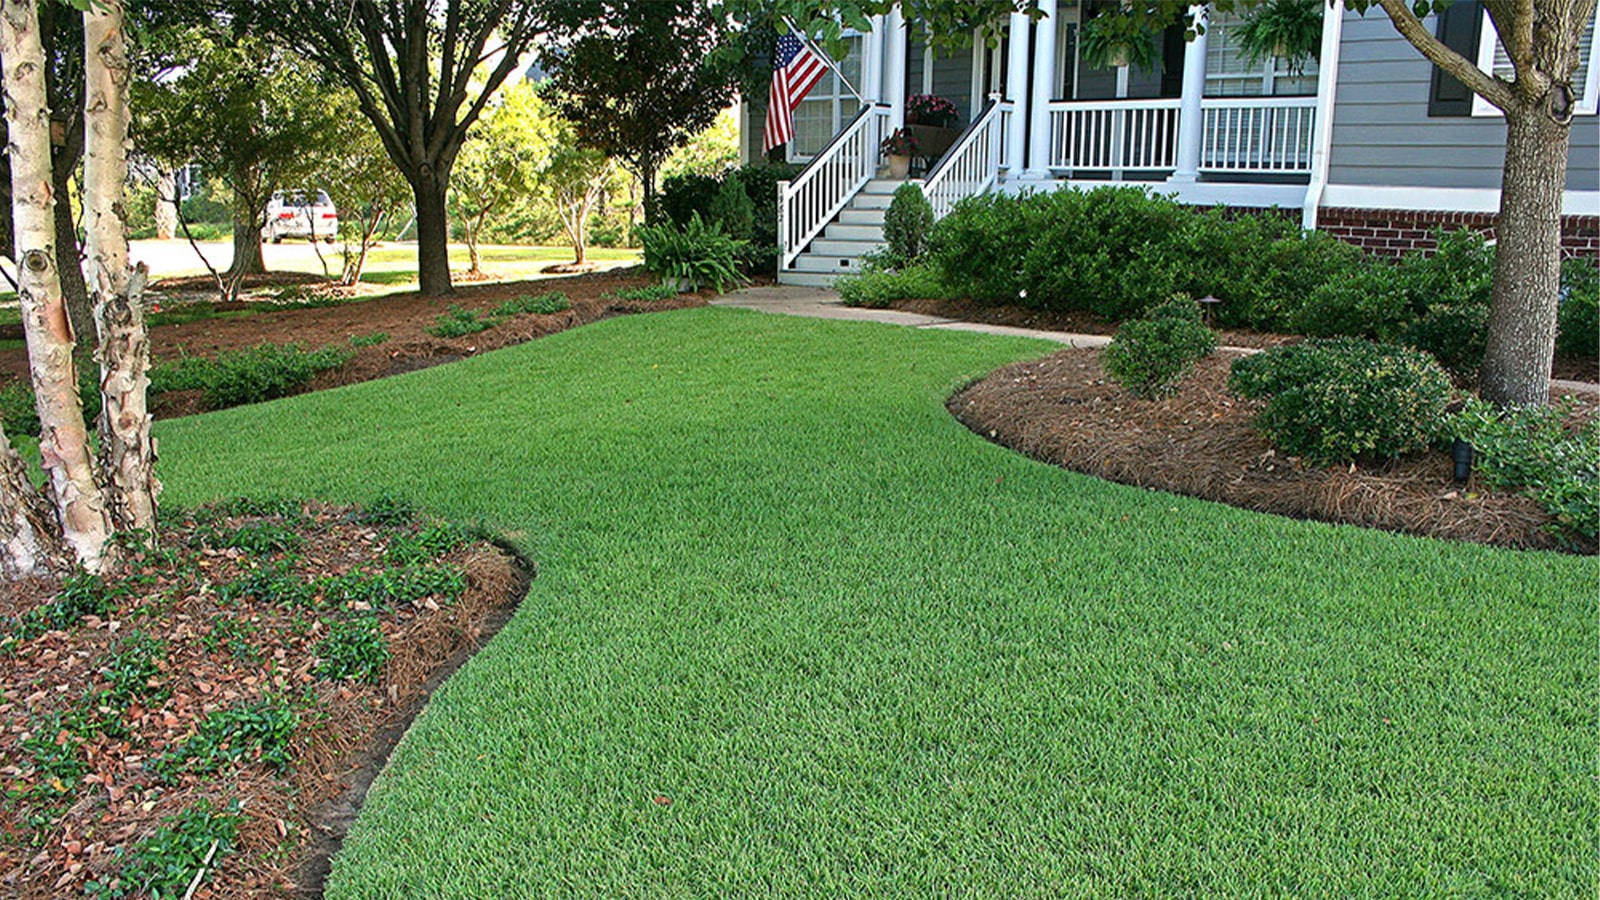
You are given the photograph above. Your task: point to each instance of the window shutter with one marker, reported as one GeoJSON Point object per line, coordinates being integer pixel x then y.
{"type": "Point", "coordinates": [1457, 27]}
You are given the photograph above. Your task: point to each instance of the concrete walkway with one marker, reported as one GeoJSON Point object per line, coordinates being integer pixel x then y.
{"type": "Point", "coordinates": [823, 303]}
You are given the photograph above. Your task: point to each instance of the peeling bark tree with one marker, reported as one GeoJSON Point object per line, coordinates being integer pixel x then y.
{"type": "Point", "coordinates": [29, 542]}
{"type": "Point", "coordinates": [127, 452]}
{"type": "Point", "coordinates": [63, 439]}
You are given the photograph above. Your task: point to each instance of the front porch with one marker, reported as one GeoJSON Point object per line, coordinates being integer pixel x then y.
{"type": "Point", "coordinates": [1205, 125]}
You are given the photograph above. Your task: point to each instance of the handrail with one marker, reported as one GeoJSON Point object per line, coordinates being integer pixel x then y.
{"type": "Point", "coordinates": [971, 165]}
{"type": "Point", "coordinates": [808, 202]}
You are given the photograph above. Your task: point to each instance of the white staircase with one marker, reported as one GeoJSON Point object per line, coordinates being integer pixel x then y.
{"type": "Point", "coordinates": [855, 232]}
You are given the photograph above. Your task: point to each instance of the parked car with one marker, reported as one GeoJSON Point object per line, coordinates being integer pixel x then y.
{"type": "Point", "coordinates": [300, 214]}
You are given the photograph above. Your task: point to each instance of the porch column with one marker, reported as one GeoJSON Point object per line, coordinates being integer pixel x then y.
{"type": "Point", "coordinates": [1044, 77]}
{"type": "Point", "coordinates": [872, 62]}
{"type": "Point", "coordinates": [1017, 93]}
{"type": "Point", "coordinates": [1191, 117]}
{"type": "Point", "coordinates": [894, 62]}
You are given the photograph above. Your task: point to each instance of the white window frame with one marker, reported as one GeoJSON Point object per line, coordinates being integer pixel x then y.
{"type": "Point", "coordinates": [841, 97]}
{"type": "Point", "coordinates": [1589, 99]}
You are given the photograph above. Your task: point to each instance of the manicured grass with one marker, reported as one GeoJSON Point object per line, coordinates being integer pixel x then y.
{"type": "Point", "coordinates": [797, 633]}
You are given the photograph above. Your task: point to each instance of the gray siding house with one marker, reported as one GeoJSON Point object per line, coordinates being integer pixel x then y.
{"type": "Point", "coordinates": [1368, 141]}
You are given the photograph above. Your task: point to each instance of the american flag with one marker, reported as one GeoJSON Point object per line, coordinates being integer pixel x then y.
{"type": "Point", "coordinates": [795, 68]}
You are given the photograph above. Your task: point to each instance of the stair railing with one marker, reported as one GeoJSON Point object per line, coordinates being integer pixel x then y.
{"type": "Point", "coordinates": [808, 202]}
{"type": "Point", "coordinates": [972, 164]}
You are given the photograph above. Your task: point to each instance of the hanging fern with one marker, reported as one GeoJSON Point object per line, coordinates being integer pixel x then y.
{"type": "Point", "coordinates": [1117, 38]}
{"type": "Point", "coordinates": [1291, 29]}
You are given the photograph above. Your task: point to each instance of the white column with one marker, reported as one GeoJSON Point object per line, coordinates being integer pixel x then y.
{"type": "Point", "coordinates": [1017, 93]}
{"type": "Point", "coordinates": [872, 62]}
{"type": "Point", "coordinates": [1044, 79]}
{"type": "Point", "coordinates": [894, 61]}
{"type": "Point", "coordinates": [1191, 117]}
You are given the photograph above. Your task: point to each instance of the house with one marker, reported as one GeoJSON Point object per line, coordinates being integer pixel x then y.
{"type": "Point", "coordinates": [1368, 141]}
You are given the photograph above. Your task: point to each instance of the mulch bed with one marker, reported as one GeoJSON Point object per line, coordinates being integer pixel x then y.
{"type": "Point", "coordinates": [1063, 410]}
{"type": "Point", "coordinates": [66, 825]}
{"type": "Point", "coordinates": [404, 317]}
{"type": "Point", "coordinates": [1571, 368]}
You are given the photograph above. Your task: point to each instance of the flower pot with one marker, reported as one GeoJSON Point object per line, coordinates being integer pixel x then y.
{"type": "Point", "coordinates": [933, 140]}
{"type": "Point", "coordinates": [899, 166]}
{"type": "Point", "coordinates": [1280, 50]}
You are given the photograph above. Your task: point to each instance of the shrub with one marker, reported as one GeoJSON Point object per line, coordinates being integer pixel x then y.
{"type": "Point", "coordinates": [458, 321]}
{"type": "Point", "coordinates": [906, 225]}
{"type": "Point", "coordinates": [1149, 356]}
{"type": "Point", "coordinates": [165, 863]}
{"type": "Point", "coordinates": [354, 649]}
{"type": "Point", "coordinates": [1578, 317]}
{"type": "Point", "coordinates": [733, 209]}
{"type": "Point", "coordinates": [1455, 335]}
{"type": "Point", "coordinates": [1532, 449]}
{"type": "Point", "coordinates": [1341, 399]}
{"type": "Point", "coordinates": [697, 254]}
{"type": "Point", "coordinates": [877, 288]}
{"type": "Point", "coordinates": [369, 340]}
{"type": "Point", "coordinates": [260, 373]}
{"type": "Point", "coordinates": [649, 293]}
{"type": "Point", "coordinates": [975, 250]}
{"type": "Point", "coordinates": [548, 303]}
{"type": "Point", "coordinates": [682, 196]}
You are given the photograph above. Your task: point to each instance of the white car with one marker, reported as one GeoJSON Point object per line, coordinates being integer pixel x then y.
{"type": "Point", "coordinates": [299, 214]}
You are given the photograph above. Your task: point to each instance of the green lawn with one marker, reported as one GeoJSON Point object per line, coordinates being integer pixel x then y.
{"type": "Point", "coordinates": [865, 653]}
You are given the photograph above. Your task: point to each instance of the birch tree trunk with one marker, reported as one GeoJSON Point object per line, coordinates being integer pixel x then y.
{"type": "Point", "coordinates": [166, 215]}
{"type": "Point", "coordinates": [63, 439]}
{"type": "Point", "coordinates": [29, 544]}
{"type": "Point", "coordinates": [127, 452]}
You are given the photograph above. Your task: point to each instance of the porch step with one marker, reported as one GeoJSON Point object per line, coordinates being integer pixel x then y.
{"type": "Point", "coordinates": [807, 279]}
{"type": "Point", "coordinates": [852, 249]}
{"type": "Point", "coordinates": [857, 231]}
{"type": "Point", "coordinates": [841, 232]}
{"type": "Point", "coordinates": [862, 217]}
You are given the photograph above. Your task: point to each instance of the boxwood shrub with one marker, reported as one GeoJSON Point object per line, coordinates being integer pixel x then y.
{"type": "Point", "coordinates": [1149, 356]}
{"type": "Point", "coordinates": [1341, 399]}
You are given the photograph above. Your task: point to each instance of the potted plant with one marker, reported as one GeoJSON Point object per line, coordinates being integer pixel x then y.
{"type": "Point", "coordinates": [899, 148]}
{"type": "Point", "coordinates": [1290, 30]}
{"type": "Point", "coordinates": [1117, 38]}
{"type": "Point", "coordinates": [930, 109]}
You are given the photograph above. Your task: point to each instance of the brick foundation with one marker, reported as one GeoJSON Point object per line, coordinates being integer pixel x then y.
{"type": "Point", "coordinates": [1392, 232]}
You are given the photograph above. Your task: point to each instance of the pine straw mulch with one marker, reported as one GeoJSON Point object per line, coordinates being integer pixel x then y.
{"type": "Point", "coordinates": [1199, 442]}
{"type": "Point", "coordinates": [69, 823]}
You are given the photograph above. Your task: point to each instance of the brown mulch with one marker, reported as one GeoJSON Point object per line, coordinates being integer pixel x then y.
{"type": "Point", "coordinates": [1062, 410]}
{"type": "Point", "coordinates": [1570, 368]}
{"type": "Point", "coordinates": [219, 654]}
{"type": "Point", "coordinates": [404, 317]}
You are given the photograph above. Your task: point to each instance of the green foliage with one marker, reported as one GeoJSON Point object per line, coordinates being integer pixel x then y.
{"type": "Point", "coordinates": [1534, 450]}
{"type": "Point", "coordinates": [81, 595]}
{"type": "Point", "coordinates": [1115, 39]}
{"type": "Point", "coordinates": [18, 414]}
{"type": "Point", "coordinates": [1149, 356]}
{"type": "Point", "coordinates": [733, 209]}
{"type": "Point", "coordinates": [387, 509]}
{"type": "Point", "coordinates": [131, 669]}
{"type": "Point", "coordinates": [255, 375]}
{"type": "Point", "coordinates": [274, 584]}
{"type": "Point", "coordinates": [233, 636]}
{"type": "Point", "coordinates": [1290, 29]}
{"type": "Point", "coordinates": [698, 255]}
{"type": "Point", "coordinates": [649, 293]}
{"type": "Point", "coordinates": [354, 649]}
{"type": "Point", "coordinates": [1578, 318]}
{"type": "Point", "coordinates": [426, 545]}
{"type": "Point", "coordinates": [390, 588]}
{"type": "Point", "coordinates": [1455, 335]}
{"type": "Point", "coordinates": [458, 321]}
{"type": "Point", "coordinates": [254, 538]}
{"type": "Point", "coordinates": [369, 340]}
{"type": "Point", "coordinates": [878, 287]}
{"type": "Point", "coordinates": [906, 225]}
{"type": "Point", "coordinates": [544, 304]}
{"type": "Point", "coordinates": [260, 731]}
{"type": "Point", "coordinates": [53, 749]}
{"type": "Point", "coordinates": [164, 865]}
{"type": "Point", "coordinates": [1337, 400]}
{"type": "Point", "coordinates": [683, 196]}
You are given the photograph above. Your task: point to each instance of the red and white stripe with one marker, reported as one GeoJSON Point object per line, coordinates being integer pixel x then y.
{"type": "Point", "coordinates": [796, 69]}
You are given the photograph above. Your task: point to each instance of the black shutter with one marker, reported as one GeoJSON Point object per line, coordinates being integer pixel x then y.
{"type": "Point", "coordinates": [1459, 28]}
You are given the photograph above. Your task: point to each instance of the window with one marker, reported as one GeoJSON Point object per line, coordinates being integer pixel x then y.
{"type": "Point", "coordinates": [828, 107]}
{"type": "Point", "coordinates": [1492, 58]}
{"type": "Point", "coordinates": [1229, 75]}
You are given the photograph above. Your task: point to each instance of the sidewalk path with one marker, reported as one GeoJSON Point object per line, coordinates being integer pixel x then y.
{"type": "Point", "coordinates": [823, 303]}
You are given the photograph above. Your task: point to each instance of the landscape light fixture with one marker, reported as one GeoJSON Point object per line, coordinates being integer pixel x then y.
{"type": "Point", "coordinates": [1207, 304]}
{"type": "Point", "coordinates": [1461, 452]}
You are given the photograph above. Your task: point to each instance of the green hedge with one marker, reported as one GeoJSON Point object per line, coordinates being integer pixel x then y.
{"type": "Point", "coordinates": [682, 196]}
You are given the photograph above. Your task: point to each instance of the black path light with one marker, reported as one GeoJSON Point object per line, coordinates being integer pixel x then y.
{"type": "Point", "coordinates": [1461, 452]}
{"type": "Point", "coordinates": [1207, 304]}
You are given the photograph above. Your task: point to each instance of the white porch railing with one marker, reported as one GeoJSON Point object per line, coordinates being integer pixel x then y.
{"type": "Point", "coordinates": [1114, 134]}
{"type": "Point", "coordinates": [972, 165]}
{"type": "Point", "coordinates": [1007, 109]}
{"type": "Point", "coordinates": [809, 202]}
{"type": "Point", "coordinates": [1256, 135]}
{"type": "Point", "coordinates": [1262, 134]}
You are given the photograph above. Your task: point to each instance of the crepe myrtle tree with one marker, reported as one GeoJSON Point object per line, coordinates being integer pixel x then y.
{"type": "Point", "coordinates": [1541, 38]}
{"type": "Point", "coordinates": [422, 72]}
{"type": "Point", "coordinates": [86, 498]}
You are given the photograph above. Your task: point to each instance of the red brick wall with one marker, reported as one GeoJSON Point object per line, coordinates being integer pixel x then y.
{"type": "Point", "coordinates": [1392, 232]}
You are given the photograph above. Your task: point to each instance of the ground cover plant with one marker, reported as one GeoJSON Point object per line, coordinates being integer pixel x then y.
{"type": "Point", "coordinates": [175, 726]}
{"type": "Point", "coordinates": [798, 632]}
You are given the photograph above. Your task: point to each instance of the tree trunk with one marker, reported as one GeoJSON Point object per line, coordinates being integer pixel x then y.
{"type": "Point", "coordinates": [127, 452]}
{"type": "Point", "coordinates": [63, 439]}
{"type": "Point", "coordinates": [433, 238]}
{"type": "Point", "coordinates": [475, 228]}
{"type": "Point", "coordinates": [166, 216]}
{"type": "Point", "coordinates": [1527, 263]}
{"type": "Point", "coordinates": [246, 245]}
{"type": "Point", "coordinates": [69, 257]}
{"type": "Point", "coordinates": [29, 544]}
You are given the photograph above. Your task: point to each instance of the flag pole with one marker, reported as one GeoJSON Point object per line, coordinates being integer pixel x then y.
{"type": "Point", "coordinates": [826, 58]}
